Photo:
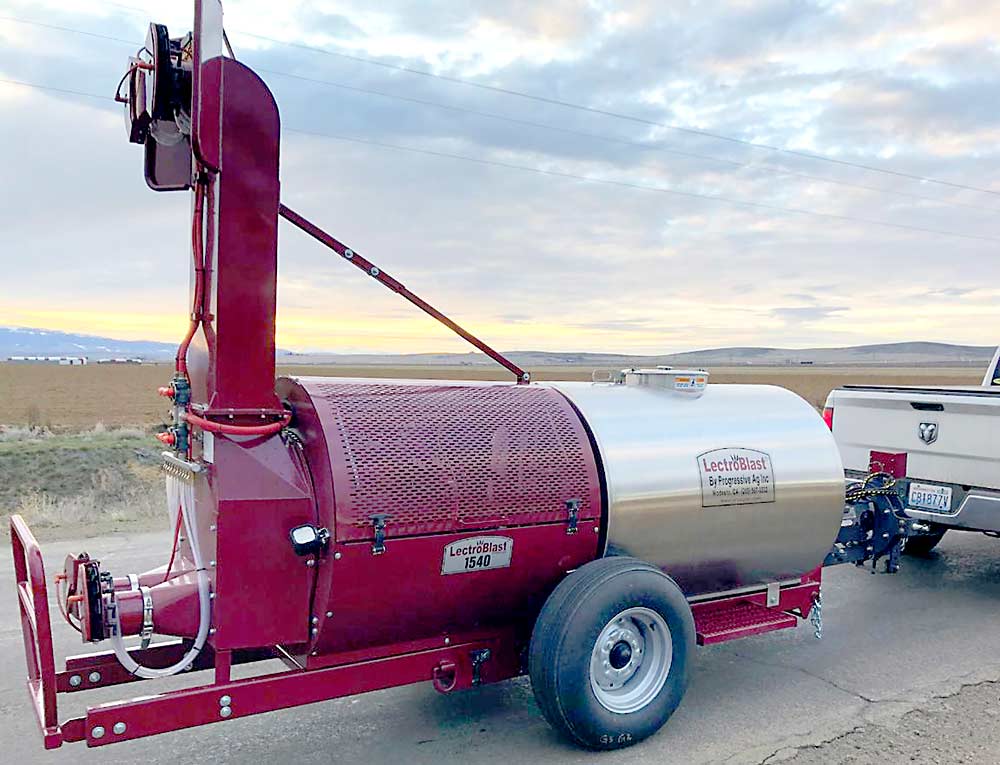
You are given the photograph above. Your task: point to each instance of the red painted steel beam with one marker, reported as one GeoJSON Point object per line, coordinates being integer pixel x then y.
{"type": "Point", "coordinates": [111, 672]}
{"type": "Point", "coordinates": [379, 275]}
{"type": "Point", "coordinates": [150, 715]}
{"type": "Point", "coordinates": [33, 601]}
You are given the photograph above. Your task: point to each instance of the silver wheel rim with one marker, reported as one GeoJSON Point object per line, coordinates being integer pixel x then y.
{"type": "Point", "coordinates": [631, 660]}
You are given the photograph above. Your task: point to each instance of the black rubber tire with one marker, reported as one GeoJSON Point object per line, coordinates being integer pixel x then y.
{"type": "Point", "coordinates": [564, 636]}
{"type": "Point", "coordinates": [922, 545]}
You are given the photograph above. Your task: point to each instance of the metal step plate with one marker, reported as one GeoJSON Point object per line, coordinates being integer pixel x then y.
{"type": "Point", "coordinates": [716, 623]}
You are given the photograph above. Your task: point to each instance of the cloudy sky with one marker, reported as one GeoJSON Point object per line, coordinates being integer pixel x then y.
{"type": "Point", "coordinates": [538, 260]}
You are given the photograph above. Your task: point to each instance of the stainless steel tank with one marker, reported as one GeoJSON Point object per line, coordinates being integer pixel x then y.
{"type": "Point", "coordinates": [722, 486]}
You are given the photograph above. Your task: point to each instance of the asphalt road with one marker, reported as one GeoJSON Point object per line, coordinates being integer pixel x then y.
{"type": "Point", "coordinates": [905, 672]}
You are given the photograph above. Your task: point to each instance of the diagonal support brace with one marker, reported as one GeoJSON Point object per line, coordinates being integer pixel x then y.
{"type": "Point", "coordinates": [375, 272]}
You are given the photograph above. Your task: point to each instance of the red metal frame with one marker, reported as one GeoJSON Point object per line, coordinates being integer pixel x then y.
{"type": "Point", "coordinates": [447, 661]}
{"type": "Point", "coordinates": [33, 599]}
{"type": "Point", "coordinates": [382, 277]}
{"type": "Point", "coordinates": [150, 715]}
{"type": "Point", "coordinates": [100, 670]}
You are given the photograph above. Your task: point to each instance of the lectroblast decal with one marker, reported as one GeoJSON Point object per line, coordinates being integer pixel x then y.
{"type": "Point", "coordinates": [477, 554]}
{"type": "Point", "coordinates": [735, 477]}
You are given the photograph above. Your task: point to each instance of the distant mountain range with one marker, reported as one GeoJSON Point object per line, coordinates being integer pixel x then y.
{"type": "Point", "coordinates": [23, 341]}
{"type": "Point", "coordinates": [884, 354]}
{"type": "Point", "coordinates": [19, 341]}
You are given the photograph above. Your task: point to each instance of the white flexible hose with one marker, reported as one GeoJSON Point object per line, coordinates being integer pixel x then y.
{"type": "Point", "coordinates": [175, 496]}
{"type": "Point", "coordinates": [179, 494]}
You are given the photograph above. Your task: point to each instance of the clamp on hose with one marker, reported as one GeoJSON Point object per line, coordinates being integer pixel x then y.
{"type": "Point", "coordinates": [147, 617]}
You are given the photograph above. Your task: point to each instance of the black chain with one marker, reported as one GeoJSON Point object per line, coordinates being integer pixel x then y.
{"type": "Point", "coordinates": [864, 490]}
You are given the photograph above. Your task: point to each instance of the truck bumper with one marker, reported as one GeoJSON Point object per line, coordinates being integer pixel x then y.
{"type": "Point", "coordinates": [978, 510]}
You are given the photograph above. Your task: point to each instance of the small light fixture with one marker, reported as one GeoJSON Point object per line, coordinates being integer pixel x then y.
{"type": "Point", "coordinates": [308, 540]}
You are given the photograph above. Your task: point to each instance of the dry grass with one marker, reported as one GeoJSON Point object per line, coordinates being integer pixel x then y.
{"type": "Point", "coordinates": [70, 398]}
{"type": "Point", "coordinates": [131, 496]}
{"type": "Point", "coordinates": [812, 383]}
{"type": "Point", "coordinates": [815, 383]}
{"type": "Point", "coordinates": [97, 479]}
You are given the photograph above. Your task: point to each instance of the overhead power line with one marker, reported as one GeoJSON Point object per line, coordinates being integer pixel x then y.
{"type": "Point", "coordinates": [575, 106]}
{"type": "Point", "coordinates": [582, 178]}
{"type": "Point", "coordinates": [619, 115]}
{"type": "Point", "coordinates": [771, 169]}
{"type": "Point", "coordinates": [71, 30]}
{"type": "Point", "coordinates": [68, 91]}
{"type": "Point", "coordinates": [644, 187]}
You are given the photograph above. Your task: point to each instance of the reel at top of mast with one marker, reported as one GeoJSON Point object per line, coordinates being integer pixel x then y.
{"type": "Point", "coordinates": [157, 99]}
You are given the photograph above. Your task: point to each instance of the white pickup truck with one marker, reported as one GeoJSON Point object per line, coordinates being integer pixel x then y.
{"type": "Point", "coordinates": [942, 444]}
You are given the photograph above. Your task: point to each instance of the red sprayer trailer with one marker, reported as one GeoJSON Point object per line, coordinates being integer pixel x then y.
{"type": "Point", "coordinates": [375, 533]}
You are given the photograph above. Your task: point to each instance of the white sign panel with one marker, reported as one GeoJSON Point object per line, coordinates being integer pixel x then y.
{"type": "Point", "coordinates": [477, 554]}
{"type": "Point", "coordinates": [735, 477]}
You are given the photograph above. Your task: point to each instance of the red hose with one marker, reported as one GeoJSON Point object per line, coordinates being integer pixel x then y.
{"type": "Point", "coordinates": [62, 605]}
{"type": "Point", "coordinates": [198, 253]}
{"type": "Point", "coordinates": [173, 549]}
{"type": "Point", "coordinates": [237, 430]}
{"type": "Point", "coordinates": [203, 191]}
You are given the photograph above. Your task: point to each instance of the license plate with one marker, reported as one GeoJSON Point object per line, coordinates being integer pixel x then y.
{"type": "Point", "coordinates": [928, 497]}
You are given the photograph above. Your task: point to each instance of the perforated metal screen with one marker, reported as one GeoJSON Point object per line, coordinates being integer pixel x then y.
{"type": "Point", "coordinates": [439, 458]}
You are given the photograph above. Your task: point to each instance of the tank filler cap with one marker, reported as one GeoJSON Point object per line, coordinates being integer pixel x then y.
{"type": "Point", "coordinates": [686, 382]}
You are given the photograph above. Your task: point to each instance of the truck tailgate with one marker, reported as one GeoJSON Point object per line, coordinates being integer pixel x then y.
{"type": "Point", "coordinates": [964, 450]}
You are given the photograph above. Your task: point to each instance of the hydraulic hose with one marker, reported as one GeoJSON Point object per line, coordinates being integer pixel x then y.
{"type": "Point", "coordinates": [237, 430]}
{"type": "Point", "coordinates": [198, 256]}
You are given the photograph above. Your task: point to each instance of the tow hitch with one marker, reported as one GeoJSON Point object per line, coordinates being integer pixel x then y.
{"type": "Point", "coordinates": [874, 526]}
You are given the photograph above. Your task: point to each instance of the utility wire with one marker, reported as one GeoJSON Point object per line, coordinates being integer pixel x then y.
{"type": "Point", "coordinates": [66, 29]}
{"type": "Point", "coordinates": [571, 105]}
{"type": "Point", "coordinates": [771, 169]}
{"type": "Point", "coordinates": [582, 178]}
{"type": "Point", "coordinates": [644, 187]}
{"type": "Point", "coordinates": [618, 115]}
{"type": "Point", "coordinates": [55, 90]}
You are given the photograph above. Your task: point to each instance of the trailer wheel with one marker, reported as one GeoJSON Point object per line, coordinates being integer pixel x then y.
{"type": "Point", "coordinates": [610, 653]}
{"type": "Point", "coordinates": [923, 544]}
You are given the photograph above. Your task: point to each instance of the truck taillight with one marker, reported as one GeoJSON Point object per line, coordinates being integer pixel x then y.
{"type": "Point", "coordinates": [828, 416]}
